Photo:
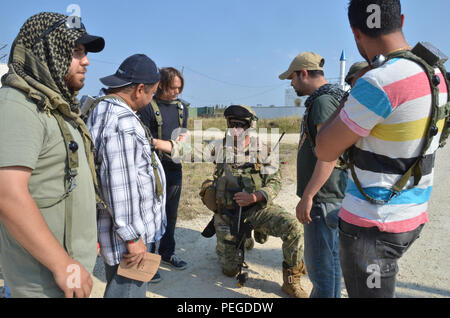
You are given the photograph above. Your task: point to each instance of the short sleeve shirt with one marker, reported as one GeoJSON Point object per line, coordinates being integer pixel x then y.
{"type": "Point", "coordinates": [333, 190]}
{"type": "Point", "coordinates": [33, 139]}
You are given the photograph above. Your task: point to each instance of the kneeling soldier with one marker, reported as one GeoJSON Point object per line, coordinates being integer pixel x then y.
{"type": "Point", "coordinates": [244, 191]}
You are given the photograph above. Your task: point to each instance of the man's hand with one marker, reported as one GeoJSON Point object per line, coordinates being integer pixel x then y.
{"type": "Point", "coordinates": [182, 137]}
{"type": "Point", "coordinates": [303, 210]}
{"type": "Point", "coordinates": [73, 279]}
{"type": "Point", "coordinates": [136, 253]}
{"type": "Point", "coordinates": [245, 199]}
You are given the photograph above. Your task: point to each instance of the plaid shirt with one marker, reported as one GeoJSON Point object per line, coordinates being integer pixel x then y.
{"type": "Point", "coordinates": [126, 179]}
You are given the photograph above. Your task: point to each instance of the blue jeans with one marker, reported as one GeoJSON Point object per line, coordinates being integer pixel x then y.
{"type": "Point", "coordinates": [173, 193]}
{"type": "Point", "coordinates": [7, 292]}
{"type": "Point", "coordinates": [122, 287]}
{"type": "Point", "coordinates": [369, 259]}
{"type": "Point", "coordinates": [321, 253]}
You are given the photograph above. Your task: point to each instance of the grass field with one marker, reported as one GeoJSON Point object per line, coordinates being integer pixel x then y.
{"type": "Point", "coordinates": [195, 173]}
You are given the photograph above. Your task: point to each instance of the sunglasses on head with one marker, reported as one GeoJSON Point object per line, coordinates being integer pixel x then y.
{"type": "Point", "coordinates": [56, 25]}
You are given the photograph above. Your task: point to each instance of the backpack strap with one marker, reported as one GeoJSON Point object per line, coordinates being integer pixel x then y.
{"type": "Point", "coordinates": [71, 160]}
{"type": "Point", "coordinates": [180, 108]}
{"type": "Point", "coordinates": [88, 107]}
{"type": "Point", "coordinates": [158, 117]}
{"type": "Point", "coordinates": [436, 116]}
{"type": "Point", "coordinates": [159, 188]}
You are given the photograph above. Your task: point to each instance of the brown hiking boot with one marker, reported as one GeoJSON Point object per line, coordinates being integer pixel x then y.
{"type": "Point", "coordinates": [291, 280]}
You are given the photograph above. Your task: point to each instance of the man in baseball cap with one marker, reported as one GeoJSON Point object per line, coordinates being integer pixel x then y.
{"type": "Point", "coordinates": [137, 68]}
{"type": "Point", "coordinates": [321, 192]}
{"type": "Point", "coordinates": [131, 174]}
{"type": "Point", "coordinates": [308, 61]}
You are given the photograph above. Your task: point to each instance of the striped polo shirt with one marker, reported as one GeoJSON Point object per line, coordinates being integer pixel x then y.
{"type": "Point", "coordinates": [389, 107]}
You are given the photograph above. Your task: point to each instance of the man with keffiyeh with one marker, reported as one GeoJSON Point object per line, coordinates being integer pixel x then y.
{"type": "Point", "coordinates": [48, 231]}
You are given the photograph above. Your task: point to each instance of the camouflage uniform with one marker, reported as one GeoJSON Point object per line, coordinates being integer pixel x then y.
{"type": "Point", "coordinates": [265, 218]}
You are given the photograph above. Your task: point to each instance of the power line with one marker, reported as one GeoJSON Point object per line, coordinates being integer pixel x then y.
{"type": "Point", "coordinates": [3, 56]}
{"type": "Point", "coordinates": [226, 82]}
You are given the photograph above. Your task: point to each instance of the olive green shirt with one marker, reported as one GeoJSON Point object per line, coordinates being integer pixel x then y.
{"type": "Point", "coordinates": [33, 139]}
{"type": "Point", "coordinates": [334, 189]}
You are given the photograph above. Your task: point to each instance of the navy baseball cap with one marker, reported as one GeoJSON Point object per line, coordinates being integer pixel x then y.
{"type": "Point", "coordinates": [137, 69]}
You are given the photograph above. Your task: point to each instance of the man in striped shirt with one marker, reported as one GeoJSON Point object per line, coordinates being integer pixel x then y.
{"type": "Point", "coordinates": [385, 118]}
{"type": "Point", "coordinates": [130, 174]}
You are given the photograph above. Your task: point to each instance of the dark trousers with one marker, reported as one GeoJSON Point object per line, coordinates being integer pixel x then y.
{"type": "Point", "coordinates": [369, 259]}
{"type": "Point", "coordinates": [174, 179]}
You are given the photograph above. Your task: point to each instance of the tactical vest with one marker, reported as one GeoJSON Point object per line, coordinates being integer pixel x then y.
{"type": "Point", "coordinates": [438, 114]}
{"type": "Point", "coordinates": [231, 178]}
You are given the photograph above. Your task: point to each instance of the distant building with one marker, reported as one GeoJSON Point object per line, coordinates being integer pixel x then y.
{"type": "Point", "coordinates": [3, 70]}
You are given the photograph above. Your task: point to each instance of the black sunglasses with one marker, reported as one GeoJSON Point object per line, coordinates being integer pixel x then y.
{"type": "Point", "coordinates": [56, 25]}
{"type": "Point", "coordinates": [238, 124]}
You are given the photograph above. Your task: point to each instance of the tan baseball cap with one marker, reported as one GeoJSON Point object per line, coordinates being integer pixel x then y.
{"type": "Point", "coordinates": [304, 61]}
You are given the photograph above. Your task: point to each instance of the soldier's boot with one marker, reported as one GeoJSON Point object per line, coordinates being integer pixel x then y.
{"type": "Point", "coordinates": [230, 273]}
{"type": "Point", "coordinates": [291, 280]}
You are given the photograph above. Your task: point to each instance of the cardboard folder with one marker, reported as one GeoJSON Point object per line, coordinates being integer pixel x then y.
{"type": "Point", "coordinates": [144, 271]}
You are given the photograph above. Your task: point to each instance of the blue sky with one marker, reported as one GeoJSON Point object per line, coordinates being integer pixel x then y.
{"type": "Point", "coordinates": [231, 51]}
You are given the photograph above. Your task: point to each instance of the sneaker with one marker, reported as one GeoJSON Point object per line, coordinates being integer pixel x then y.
{"type": "Point", "coordinates": [156, 278]}
{"type": "Point", "coordinates": [175, 262]}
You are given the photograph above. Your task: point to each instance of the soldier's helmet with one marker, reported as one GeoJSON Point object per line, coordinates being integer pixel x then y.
{"type": "Point", "coordinates": [355, 68]}
{"type": "Point", "coordinates": [241, 112]}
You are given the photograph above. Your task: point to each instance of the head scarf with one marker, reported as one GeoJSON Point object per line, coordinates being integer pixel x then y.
{"type": "Point", "coordinates": [54, 51]}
